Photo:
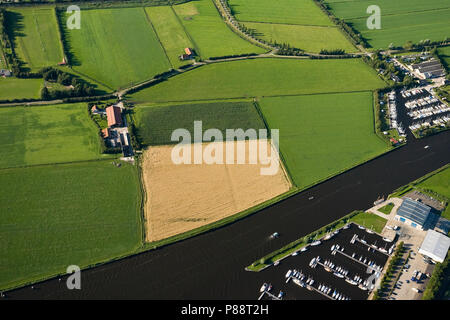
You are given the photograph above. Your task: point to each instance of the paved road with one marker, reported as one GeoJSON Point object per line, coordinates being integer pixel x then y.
{"type": "Point", "coordinates": [211, 266]}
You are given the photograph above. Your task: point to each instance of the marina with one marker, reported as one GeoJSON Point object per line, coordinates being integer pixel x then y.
{"type": "Point", "coordinates": [344, 265]}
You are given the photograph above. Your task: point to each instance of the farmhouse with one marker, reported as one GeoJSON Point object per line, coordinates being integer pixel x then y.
{"type": "Point", "coordinates": [188, 54]}
{"type": "Point", "coordinates": [413, 213]}
{"type": "Point", "coordinates": [435, 246]}
{"type": "Point", "coordinates": [114, 116]}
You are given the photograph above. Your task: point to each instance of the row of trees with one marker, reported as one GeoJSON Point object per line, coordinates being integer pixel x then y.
{"type": "Point", "coordinates": [332, 52]}
{"type": "Point", "coordinates": [353, 34]}
{"type": "Point", "coordinates": [439, 281]}
{"type": "Point", "coordinates": [394, 263]}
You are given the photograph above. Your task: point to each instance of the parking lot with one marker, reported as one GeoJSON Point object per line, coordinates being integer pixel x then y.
{"type": "Point", "coordinates": [343, 273]}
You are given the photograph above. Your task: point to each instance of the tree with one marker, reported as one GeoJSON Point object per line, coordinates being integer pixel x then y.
{"type": "Point", "coordinates": [408, 45]}
{"type": "Point", "coordinates": [45, 94]}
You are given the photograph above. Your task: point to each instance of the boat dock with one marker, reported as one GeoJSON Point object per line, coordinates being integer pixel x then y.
{"type": "Point", "coordinates": [356, 238]}
{"type": "Point", "coordinates": [298, 282]}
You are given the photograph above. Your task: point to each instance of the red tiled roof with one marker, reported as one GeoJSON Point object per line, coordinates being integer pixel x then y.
{"type": "Point", "coordinates": [114, 116]}
{"type": "Point", "coordinates": [105, 132]}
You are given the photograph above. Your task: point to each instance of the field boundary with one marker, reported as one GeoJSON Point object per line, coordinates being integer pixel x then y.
{"type": "Point", "coordinates": [59, 163]}
{"type": "Point", "coordinates": [191, 39]}
{"type": "Point", "coordinates": [60, 36]}
{"type": "Point", "coordinates": [157, 36]}
{"type": "Point", "coordinates": [283, 160]}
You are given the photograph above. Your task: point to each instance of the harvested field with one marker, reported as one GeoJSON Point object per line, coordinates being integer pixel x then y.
{"type": "Point", "coordinates": [187, 196]}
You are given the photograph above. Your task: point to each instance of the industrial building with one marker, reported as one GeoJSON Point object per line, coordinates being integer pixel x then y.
{"type": "Point", "coordinates": [413, 213]}
{"type": "Point", "coordinates": [435, 246]}
{"type": "Point", "coordinates": [429, 69]}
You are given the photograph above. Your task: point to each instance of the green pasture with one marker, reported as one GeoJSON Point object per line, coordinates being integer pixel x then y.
{"type": "Point", "coordinates": [35, 35]}
{"type": "Point", "coordinates": [304, 12]}
{"type": "Point", "coordinates": [170, 32]}
{"type": "Point", "coordinates": [308, 38]}
{"type": "Point", "coordinates": [357, 9]}
{"type": "Point", "coordinates": [264, 77]}
{"type": "Point", "coordinates": [47, 134]}
{"type": "Point", "coordinates": [211, 36]}
{"type": "Point", "coordinates": [117, 47]}
{"type": "Point", "coordinates": [61, 215]}
{"type": "Point", "coordinates": [399, 29]}
{"type": "Point", "coordinates": [14, 88]}
{"type": "Point", "coordinates": [323, 135]}
{"type": "Point", "coordinates": [401, 21]}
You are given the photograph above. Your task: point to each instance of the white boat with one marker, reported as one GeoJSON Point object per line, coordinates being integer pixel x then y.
{"type": "Point", "coordinates": [346, 226]}
{"type": "Point", "coordinates": [361, 227]}
{"type": "Point", "coordinates": [383, 250]}
{"type": "Point", "coordinates": [332, 247]}
{"type": "Point", "coordinates": [352, 282]}
{"type": "Point", "coordinates": [263, 287]}
{"type": "Point", "coordinates": [316, 243]}
{"type": "Point", "coordinates": [338, 275]}
{"type": "Point", "coordinates": [304, 249]}
{"type": "Point", "coordinates": [312, 262]}
{"type": "Point", "coordinates": [288, 274]}
{"type": "Point", "coordinates": [294, 254]}
{"type": "Point", "coordinates": [362, 287]}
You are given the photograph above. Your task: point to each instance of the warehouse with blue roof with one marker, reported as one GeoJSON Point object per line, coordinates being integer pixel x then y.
{"type": "Point", "coordinates": [413, 213]}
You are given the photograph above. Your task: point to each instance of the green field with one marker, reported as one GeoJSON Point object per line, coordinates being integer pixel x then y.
{"type": "Point", "coordinates": [117, 47]}
{"type": "Point", "coordinates": [387, 208]}
{"type": "Point", "coordinates": [13, 88]}
{"type": "Point", "coordinates": [439, 183]}
{"type": "Point", "coordinates": [156, 124]}
{"type": "Point", "coordinates": [35, 34]}
{"type": "Point", "coordinates": [61, 215]}
{"type": "Point", "coordinates": [322, 135]}
{"type": "Point", "coordinates": [211, 36]}
{"type": "Point", "coordinates": [357, 8]}
{"type": "Point", "coordinates": [370, 220]}
{"type": "Point", "coordinates": [264, 77]}
{"type": "Point", "coordinates": [170, 32]}
{"type": "Point", "coordinates": [308, 38]}
{"type": "Point", "coordinates": [300, 23]}
{"type": "Point", "coordinates": [304, 12]}
{"type": "Point", "coordinates": [47, 134]}
{"type": "Point", "coordinates": [401, 20]}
